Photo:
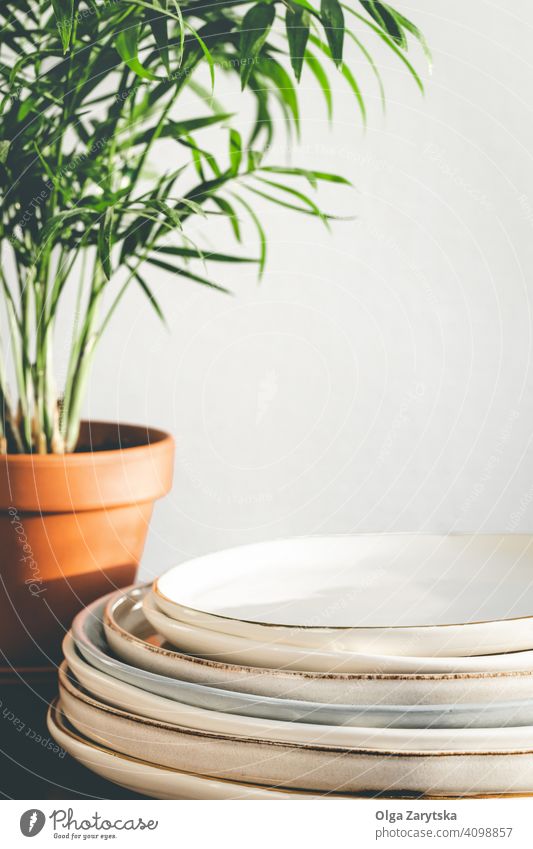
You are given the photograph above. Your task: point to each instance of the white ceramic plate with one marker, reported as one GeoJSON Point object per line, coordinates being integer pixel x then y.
{"type": "Point", "coordinates": [109, 691]}
{"type": "Point", "coordinates": [135, 641]}
{"type": "Point", "coordinates": [309, 767]}
{"type": "Point", "coordinates": [228, 648]}
{"type": "Point", "coordinates": [150, 779]}
{"type": "Point", "coordinates": [398, 594]}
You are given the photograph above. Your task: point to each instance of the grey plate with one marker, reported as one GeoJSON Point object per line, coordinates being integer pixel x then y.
{"type": "Point", "coordinates": [89, 636]}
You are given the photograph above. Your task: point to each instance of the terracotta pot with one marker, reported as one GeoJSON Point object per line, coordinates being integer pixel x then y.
{"type": "Point", "coordinates": [73, 527]}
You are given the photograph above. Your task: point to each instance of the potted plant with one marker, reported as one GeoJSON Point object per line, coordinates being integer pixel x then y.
{"type": "Point", "coordinates": [89, 88]}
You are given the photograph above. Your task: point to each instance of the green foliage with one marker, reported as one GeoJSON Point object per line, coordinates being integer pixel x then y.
{"type": "Point", "coordinates": [88, 91]}
{"type": "Point", "coordinates": [254, 30]}
{"type": "Point", "coordinates": [333, 20]}
{"type": "Point", "coordinates": [297, 22]}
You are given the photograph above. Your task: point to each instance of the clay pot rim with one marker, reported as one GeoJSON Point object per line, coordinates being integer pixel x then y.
{"type": "Point", "coordinates": [155, 439]}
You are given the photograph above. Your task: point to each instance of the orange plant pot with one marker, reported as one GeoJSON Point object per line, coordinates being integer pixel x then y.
{"type": "Point", "coordinates": [73, 527]}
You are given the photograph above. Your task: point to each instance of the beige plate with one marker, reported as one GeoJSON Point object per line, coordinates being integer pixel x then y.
{"type": "Point", "coordinates": [135, 641]}
{"type": "Point", "coordinates": [396, 594]}
{"type": "Point", "coordinates": [146, 778]}
{"type": "Point", "coordinates": [298, 766]}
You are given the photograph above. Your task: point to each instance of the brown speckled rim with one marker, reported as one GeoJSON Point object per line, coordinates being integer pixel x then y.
{"type": "Point", "coordinates": [335, 628]}
{"type": "Point", "coordinates": [127, 595]}
{"type": "Point", "coordinates": [58, 718]}
{"type": "Point", "coordinates": [68, 682]}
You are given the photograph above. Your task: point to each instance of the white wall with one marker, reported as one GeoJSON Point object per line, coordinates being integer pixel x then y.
{"type": "Point", "coordinates": [380, 376]}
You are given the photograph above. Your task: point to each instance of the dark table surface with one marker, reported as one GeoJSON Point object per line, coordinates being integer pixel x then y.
{"type": "Point", "coordinates": [28, 769]}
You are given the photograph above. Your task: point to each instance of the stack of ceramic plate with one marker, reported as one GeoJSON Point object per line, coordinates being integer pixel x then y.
{"type": "Point", "coordinates": [373, 664]}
